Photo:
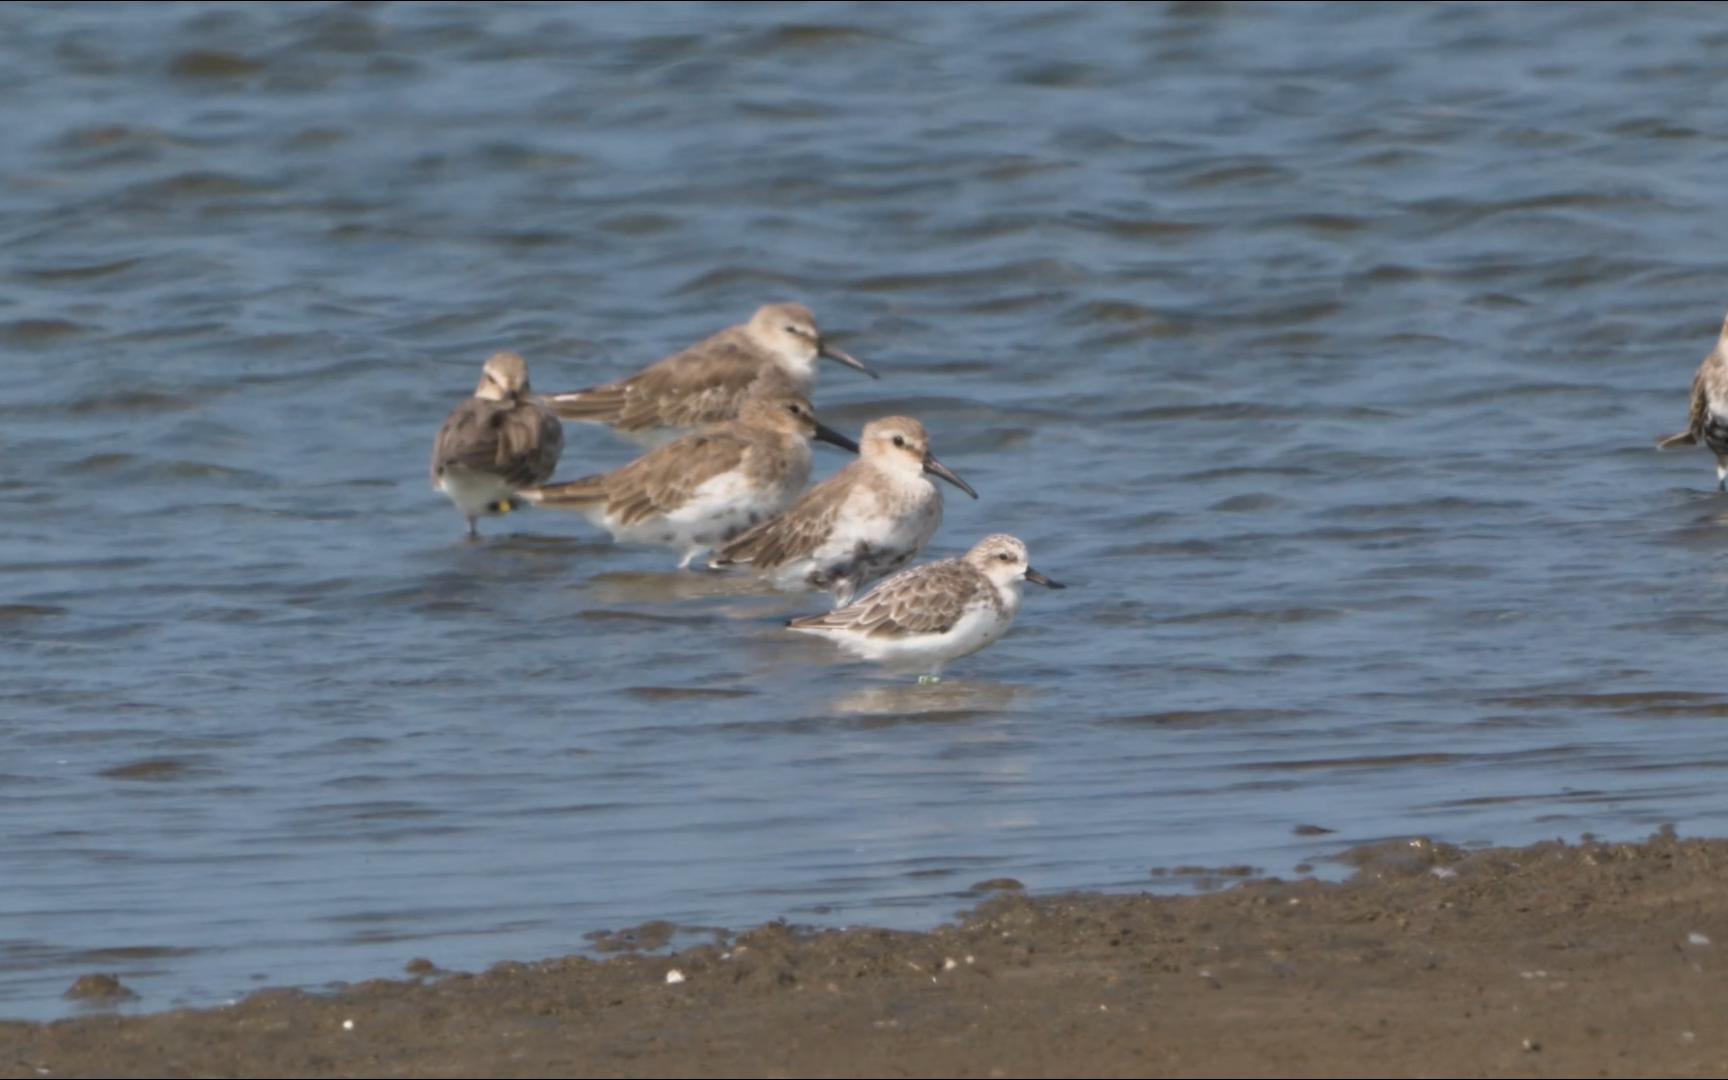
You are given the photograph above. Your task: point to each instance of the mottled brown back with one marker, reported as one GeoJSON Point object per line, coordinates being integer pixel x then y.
{"type": "Point", "coordinates": [517, 440]}
{"type": "Point", "coordinates": [795, 533]}
{"type": "Point", "coordinates": [928, 599]}
{"type": "Point", "coordinates": [659, 481]}
{"type": "Point", "coordinates": [704, 384]}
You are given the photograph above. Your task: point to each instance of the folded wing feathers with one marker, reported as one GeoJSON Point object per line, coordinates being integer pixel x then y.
{"type": "Point", "coordinates": [928, 599]}
{"type": "Point", "coordinates": [793, 534]}
{"type": "Point", "coordinates": [600, 404]}
{"type": "Point", "coordinates": [519, 441]}
{"type": "Point", "coordinates": [572, 493]}
{"type": "Point", "coordinates": [701, 385]}
{"type": "Point", "coordinates": [658, 482]}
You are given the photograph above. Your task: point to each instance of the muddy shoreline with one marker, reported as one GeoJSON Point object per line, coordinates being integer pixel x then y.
{"type": "Point", "coordinates": [1556, 959]}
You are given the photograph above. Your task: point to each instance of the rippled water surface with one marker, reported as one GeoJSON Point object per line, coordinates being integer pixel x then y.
{"type": "Point", "coordinates": [1320, 348]}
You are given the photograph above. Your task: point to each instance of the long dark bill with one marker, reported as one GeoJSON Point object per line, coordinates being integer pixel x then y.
{"type": "Point", "coordinates": [826, 434]}
{"type": "Point", "coordinates": [936, 468]}
{"type": "Point", "coordinates": [1035, 576]}
{"type": "Point", "coordinates": [825, 349]}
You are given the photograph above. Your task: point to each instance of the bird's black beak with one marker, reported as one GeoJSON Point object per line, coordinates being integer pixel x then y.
{"type": "Point", "coordinates": [936, 468]}
{"type": "Point", "coordinates": [1035, 576]}
{"type": "Point", "coordinates": [825, 349]}
{"type": "Point", "coordinates": [826, 434]}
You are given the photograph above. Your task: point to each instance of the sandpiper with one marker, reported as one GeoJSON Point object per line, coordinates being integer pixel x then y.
{"type": "Point", "coordinates": [920, 619]}
{"type": "Point", "coordinates": [869, 519]}
{"type": "Point", "coordinates": [776, 351]}
{"type": "Point", "coordinates": [1709, 421]}
{"type": "Point", "coordinates": [707, 486]}
{"type": "Point", "coordinates": [496, 443]}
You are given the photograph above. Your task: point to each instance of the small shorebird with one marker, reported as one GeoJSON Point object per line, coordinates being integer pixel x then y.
{"type": "Point", "coordinates": [776, 351]}
{"type": "Point", "coordinates": [921, 618]}
{"type": "Point", "coordinates": [869, 519]}
{"type": "Point", "coordinates": [704, 488]}
{"type": "Point", "coordinates": [496, 443]}
{"type": "Point", "coordinates": [1709, 420]}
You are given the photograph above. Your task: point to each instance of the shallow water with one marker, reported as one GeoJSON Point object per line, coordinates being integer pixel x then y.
{"type": "Point", "coordinates": [1319, 348]}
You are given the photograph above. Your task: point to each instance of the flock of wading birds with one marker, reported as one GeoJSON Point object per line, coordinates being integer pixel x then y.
{"type": "Point", "coordinates": [728, 423]}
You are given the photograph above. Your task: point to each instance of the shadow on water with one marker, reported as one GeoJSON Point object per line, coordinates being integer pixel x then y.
{"type": "Point", "coordinates": [946, 699]}
{"type": "Point", "coordinates": [673, 586]}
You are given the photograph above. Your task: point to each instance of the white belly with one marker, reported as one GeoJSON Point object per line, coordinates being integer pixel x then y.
{"type": "Point", "coordinates": [869, 540]}
{"type": "Point", "coordinates": [720, 509]}
{"type": "Point", "coordinates": [474, 493]}
{"type": "Point", "coordinates": [926, 653]}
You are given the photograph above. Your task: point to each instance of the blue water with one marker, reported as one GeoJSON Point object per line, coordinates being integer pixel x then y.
{"type": "Point", "coordinates": [1319, 347]}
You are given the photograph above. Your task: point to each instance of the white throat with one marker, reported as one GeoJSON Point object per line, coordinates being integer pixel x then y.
{"type": "Point", "coordinates": [794, 354]}
{"type": "Point", "coordinates": [903, 472]}
{"type": "Point", "coordinates": [1008, 591]}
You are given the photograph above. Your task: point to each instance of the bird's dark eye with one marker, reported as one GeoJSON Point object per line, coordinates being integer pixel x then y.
{"type": "Point", "coordinates": [1005, 557]}
{"type": "Point", "coordinates": [899, 440]}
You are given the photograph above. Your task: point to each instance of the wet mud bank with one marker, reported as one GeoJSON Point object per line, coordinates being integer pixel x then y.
{"type": "Point", "coordinates": [1556, 959]}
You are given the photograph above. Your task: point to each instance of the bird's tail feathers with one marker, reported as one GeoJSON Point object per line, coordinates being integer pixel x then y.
{"type": "Point", "coordinates": [572, 494]}
{"type": "Point", "coordinates": [597, 404]}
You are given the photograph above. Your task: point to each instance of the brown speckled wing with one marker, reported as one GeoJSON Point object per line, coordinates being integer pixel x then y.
{"type": "Point", "coordinates": [928, 599]}
{"type": "Point", "coordinates": [701, 385]}
{"type": "Point", "coordinates": [704, 391]}
{"type": "Point", "coordinates": [517, 440]}
{"type": "Point", "coordinates": [542, 442]}
{"type": "Point", "coordinates": [658, 482]}
{"type": "Point", "coordinates": [1700, 414]}
{"type": "Point", "coordinates": [793, 534]}
{"type": "Point", "coordinates": [1710, 392]}
{"type": "Point", "coordinates": [663, 480]}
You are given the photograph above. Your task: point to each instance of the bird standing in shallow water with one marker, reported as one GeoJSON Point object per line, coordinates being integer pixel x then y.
{"type": "Point", "coordinates": [869, 519]}
{"type": "Point", "coordinates": [920, 619]}
{"type": "Point", "coordinates": [707, 383]}
{"type": "Point", "coordinates": [708, 486]}
{"type": "Point", "coordinates": [497, 442]}
{"type": "Point", "coordinates": [1708, 423]}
